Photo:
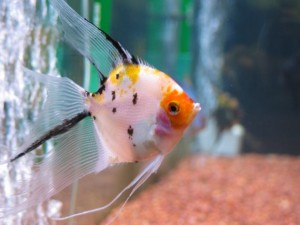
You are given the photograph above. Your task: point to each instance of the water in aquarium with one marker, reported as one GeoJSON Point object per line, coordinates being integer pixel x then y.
{"type": "Point", "coordinates": [239, 59]}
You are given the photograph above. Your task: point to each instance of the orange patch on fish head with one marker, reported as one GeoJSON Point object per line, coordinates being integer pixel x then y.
{"type": "Point", "coordinates": [179, 107]}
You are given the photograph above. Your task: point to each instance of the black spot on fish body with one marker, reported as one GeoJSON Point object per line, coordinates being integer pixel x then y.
{"type": "Point", "coordinates": [130, 131]}
{"type": "Point", "coordinates": [117, 76]}
{"type": "Point", "coordinates": [134, 100]}
{"type": "Point", "coordinates": [113, 93]}
{"type": "Point", "coordinates": [114, 110]}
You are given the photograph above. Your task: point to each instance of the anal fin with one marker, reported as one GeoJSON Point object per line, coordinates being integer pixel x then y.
{"type": "Point", "coordinates": [151, 168]}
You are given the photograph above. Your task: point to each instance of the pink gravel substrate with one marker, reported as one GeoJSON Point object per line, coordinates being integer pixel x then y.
{"type": "Point", "coordinates": [245, 190]}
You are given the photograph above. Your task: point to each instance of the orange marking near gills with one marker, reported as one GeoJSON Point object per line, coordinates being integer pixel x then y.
{"type": "Point", "coordinates": [183, 117]}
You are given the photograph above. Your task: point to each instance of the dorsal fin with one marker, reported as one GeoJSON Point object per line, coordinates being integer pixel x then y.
{"type": "Point", "coordinates": [100, 49]}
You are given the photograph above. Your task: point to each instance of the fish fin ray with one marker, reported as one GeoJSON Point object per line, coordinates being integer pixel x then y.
{"type": "Point", "coordinates": [76, 153]}
{"type": "Point", "coordinates": [154, 167]}
{"type": "Point", "coordinates": [101, 50]}
{"type": "Point", "coordinates": [151, 168]}
{"type": "Point", "coordinates": [64, 100]}
{"type": "Point", "coordinates": [4, 157]}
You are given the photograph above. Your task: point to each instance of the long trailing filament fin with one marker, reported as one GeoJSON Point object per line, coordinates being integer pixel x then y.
{"type": "Point", "coordinates": [151, 168]}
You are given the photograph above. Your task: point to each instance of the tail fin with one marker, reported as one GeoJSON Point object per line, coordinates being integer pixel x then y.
{"type": "Point", "coordinates": [76, 152]}
{"type": "Point", "coordinates": [65, 100]}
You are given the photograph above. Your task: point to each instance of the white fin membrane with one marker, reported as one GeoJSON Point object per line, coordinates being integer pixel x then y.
{"type": "Point", "coordinates": [4, 157]}
{"type": "Point", "coordinates": [65, 100]}
{"type": "Point", "coordinates": [151, 168]}
{"type": "Point", "coordinates": [88, 39]}
{"type": "Point", "coordinates": [75, 154]}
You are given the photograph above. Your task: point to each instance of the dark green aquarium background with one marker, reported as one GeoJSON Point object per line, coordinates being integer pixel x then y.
{"type": "Point", "coordinates": [70, 62]}
{"type": "Point", "coordinates": [159, 19]}
{"type": "Point", "coordinates": [247, 49]}
{"type": "Point", "coordinates": [140, 27]}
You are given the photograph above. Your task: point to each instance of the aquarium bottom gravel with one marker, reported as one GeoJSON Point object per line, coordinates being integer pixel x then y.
{"type": "Point", "coordinates": [245, 190]}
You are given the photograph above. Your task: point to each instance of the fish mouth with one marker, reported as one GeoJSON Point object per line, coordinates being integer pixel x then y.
{"type": "Point", "coordinates": [197, 108]}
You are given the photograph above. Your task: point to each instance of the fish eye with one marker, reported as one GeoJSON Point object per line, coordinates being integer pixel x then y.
{"type": "Point", "coordinates": [173, 108]}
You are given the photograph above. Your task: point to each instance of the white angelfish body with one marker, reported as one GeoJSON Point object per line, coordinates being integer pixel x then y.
{"type": "Point", "coordinates": [130, 104]}
{"type": "Point", "coordinates": [138, 114]}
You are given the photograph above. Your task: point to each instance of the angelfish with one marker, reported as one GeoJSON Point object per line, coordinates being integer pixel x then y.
{"type": "Point", "coordinates": [138, 113]}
